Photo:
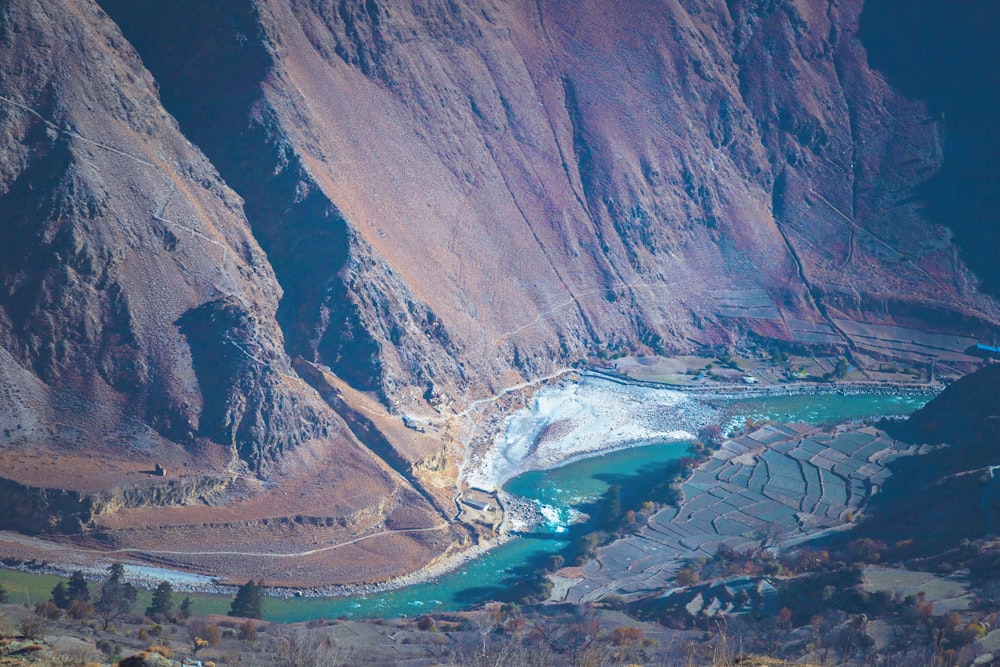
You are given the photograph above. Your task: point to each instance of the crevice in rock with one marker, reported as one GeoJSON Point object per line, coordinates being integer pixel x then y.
{"type": "Point", "coordinates": [815, 294]}
{"type": "Point", "coordinates": [210, 73]}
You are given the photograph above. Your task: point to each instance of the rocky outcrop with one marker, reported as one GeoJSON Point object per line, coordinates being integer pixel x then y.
{"type": "Point", "coordinates": [193, 489]}
{"type": "Point", "coordinates": [36, 510]}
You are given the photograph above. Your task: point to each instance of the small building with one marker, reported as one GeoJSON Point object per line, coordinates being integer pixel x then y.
{"type": "Point", "coordinates": [480, 505]}
{"type": "Point", "coordinates": [749, 379]}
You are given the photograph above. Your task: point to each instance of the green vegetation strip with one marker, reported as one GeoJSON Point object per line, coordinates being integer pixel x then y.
{"type": "Point", "coordinates": [30, 588]}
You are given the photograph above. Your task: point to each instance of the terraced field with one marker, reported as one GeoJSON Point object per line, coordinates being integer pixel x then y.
{"type": "Point", "coordinates": [779, 485]}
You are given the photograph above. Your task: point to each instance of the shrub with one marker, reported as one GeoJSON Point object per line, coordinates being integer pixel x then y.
{"type": "Point", "coordinates": [687, 576]}
{"type": "Point", "coordinates": [48, 609]}
{"type": "Point", "coordinates": [625, 635]}
{"type": "Point", "coordinates": [78, 610]}
{"type": "Point", "coordinates": [248, 631]}
{"type": "Point", "coordinates": [203, 634]}
{"type": "Point", "coordinates": [31, 627]}
{"type": "Point", "coordinates": [866, 550]}
{"type": "Point", "coordinates": [165, 651]}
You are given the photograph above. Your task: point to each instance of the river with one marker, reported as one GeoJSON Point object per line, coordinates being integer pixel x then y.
{"type": "Point", "coordinates": [561, 491]}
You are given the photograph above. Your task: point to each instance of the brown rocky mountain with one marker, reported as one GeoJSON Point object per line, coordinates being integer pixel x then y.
{"type": "Point", "coordinates": [138, 311]}
{"type": "Point", "coordinates": [643, 172]}
{"type": "Point", "coordinates": [393, 204]}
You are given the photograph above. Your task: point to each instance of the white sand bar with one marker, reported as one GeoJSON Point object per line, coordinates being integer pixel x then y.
{"type": "Point", "coordinates": [572, 420]}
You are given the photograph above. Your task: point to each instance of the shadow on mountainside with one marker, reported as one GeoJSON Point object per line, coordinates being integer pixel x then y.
{"type": "Point", "coordinates": [946, 53]}
{"type": "Point", "coordinates": [950, 494]}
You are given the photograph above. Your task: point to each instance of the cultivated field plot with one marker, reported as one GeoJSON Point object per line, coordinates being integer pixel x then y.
{"type": "Point", "coordinates": [945, 593]}
{"type": "Point", "coordinates": [779, 485]}
{"type": "Point", "coordinates": [905, 343]}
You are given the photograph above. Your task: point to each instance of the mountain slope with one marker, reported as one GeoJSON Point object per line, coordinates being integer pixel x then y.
{"type": "Point", "coordinates": [137, 311]}
{"type": "Point", "coordinates": [130, 276]}
{"type": "Point", "coordinates": [945, 53]}
{"type": "Point", "coordinates": [422, 204]}
{"type": "Point", "coordinates": [951, 494]}
{"type": "Point", "coordinates": [497, 190]}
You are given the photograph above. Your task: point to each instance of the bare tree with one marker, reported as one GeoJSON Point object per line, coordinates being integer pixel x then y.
{"type": "Point", "coordinates": [295, 647]}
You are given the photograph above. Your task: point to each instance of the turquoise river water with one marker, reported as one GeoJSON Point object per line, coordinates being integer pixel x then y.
{"type": "Point", "coordinates": [560, 491]}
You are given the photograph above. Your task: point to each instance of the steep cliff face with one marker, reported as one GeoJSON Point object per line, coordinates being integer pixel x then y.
{"type": "Point", "coordinates": [137, 311]}
{"type": "Point", "coordinates": [491, 190]}
{"type": "Point", "coordinates": [116, 230]}
{"type": "Point", "coordinates": [61, 511]}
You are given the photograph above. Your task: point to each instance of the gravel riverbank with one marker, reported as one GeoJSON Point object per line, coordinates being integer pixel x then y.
{"type": "Point", "coordinates": [564, 422]}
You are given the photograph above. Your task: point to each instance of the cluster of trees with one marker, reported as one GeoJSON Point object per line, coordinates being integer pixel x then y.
{"type": "Point", "coordinates": [840, 370]}
{"type": "Point", "coordinates": [117, 599]}
{"type": "Point", "coordinates": [762, 560]}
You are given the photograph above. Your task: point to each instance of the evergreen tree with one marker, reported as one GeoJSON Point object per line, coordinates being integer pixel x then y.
{"type": "Point", "coordinates": [185, 610]}
{"type": "Point", "coordinates": [117, 597]}
{"type": "Point", "coordinates": [59, 596]}
{"type": "Point", "coordinates": [3, 595]}
{"type": "Point", "coordinates": [249, 600]}
{"type": "Point", "coordinates": [163, 601]}
{"type": "Point", "coordinates": [117, 572]}
{"type": "Point", "coordinates": [611, 510]}
{"type": "Point", "coordinates": [77, 587]}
